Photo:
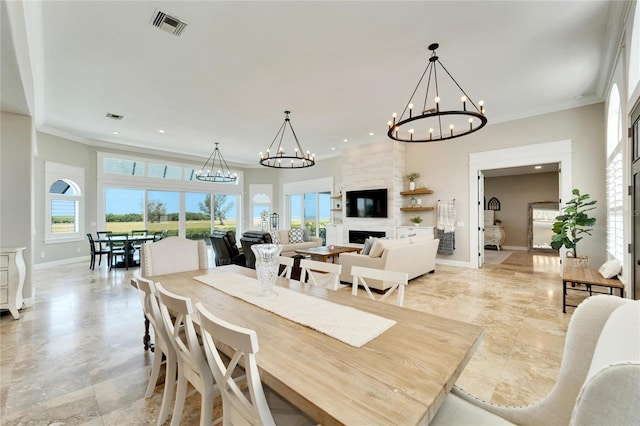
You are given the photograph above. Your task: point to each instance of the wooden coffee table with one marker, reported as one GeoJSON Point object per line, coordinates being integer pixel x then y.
{"type": "Point", "coordinates": [325, 252]}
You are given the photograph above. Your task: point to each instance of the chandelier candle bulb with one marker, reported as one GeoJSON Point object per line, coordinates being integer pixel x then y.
{"type": "Point", "coordinates": [437, 104]}
{"type": "Point", "coordinates": [410, 110]}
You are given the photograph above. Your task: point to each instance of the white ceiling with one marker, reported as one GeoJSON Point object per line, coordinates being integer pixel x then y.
{"type": "Point", "coordinates": [342, 68]}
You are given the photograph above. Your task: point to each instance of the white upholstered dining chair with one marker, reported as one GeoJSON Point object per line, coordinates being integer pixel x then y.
{"type": "Point", "coordinates": [163, 347]}
{"type": "Point", "coordinates": [287, 262]}
{"type": "Point", "coordinates": [398, 281]}
{"type": "Point", "coordinates": [320, 274]}
{"type": "Point", "coordinates": [173, 254]}
{"type": "Point", "coordinates": [177, 314]}
{"type": "Point", "coordinates": [240, 407]}
{"type": "Point", "coordinates": [598, 382]}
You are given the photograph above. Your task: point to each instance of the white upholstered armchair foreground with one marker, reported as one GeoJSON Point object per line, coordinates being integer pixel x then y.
{"type": "Point", "coordinates": [598, 382]}
{"type": "Point", "coordinates": [173, 254]}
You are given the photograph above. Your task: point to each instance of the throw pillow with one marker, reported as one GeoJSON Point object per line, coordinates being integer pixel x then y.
{"type": "Point", "coordinates": [296, 235]}
{"type": "Point", "coordinates": [610, 268]}
{"type": "Point", "coordinates": [275, 239]}
{"type": "Point", "coordinates": [368, 243]}
{"type": "Point", "coordinates": [305, 235]}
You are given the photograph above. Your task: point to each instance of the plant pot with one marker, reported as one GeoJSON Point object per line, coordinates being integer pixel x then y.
{"type": "Point", "coordinates": [412, 186]}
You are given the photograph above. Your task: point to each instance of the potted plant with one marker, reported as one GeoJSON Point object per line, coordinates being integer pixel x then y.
{"type": "Point", "coordinates": [570, 226]}
{"type": "Point", "coordinates": [412, 180]}
{"type": "Point", "coordinates": [417, 220]}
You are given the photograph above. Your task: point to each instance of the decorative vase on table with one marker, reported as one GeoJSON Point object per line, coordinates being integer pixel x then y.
{"type": "Point", "coordinates": [267, 266]}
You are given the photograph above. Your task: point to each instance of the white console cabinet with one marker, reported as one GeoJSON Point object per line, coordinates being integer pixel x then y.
{"type": "Point", "coordinates": [409, 231]}
{"type": "Point", "coordinates": [334, 234]}
{"type": "Point", "coordinates": [12, 274]}
{"type": "Point", "coordinates": [493, 236]}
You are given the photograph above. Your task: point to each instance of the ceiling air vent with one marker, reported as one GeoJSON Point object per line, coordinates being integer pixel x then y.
{"type": "Point", "coordinates": [168, 23]}
{"type": "Point", "coordinates": [114, 116]}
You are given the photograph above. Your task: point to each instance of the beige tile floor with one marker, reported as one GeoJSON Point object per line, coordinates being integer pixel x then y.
{"type": "Point", "coordinates": [76, 357]}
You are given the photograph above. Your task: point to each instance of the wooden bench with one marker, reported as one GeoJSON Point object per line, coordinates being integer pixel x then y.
{"type": "Point", "coordinates": [588, 277]}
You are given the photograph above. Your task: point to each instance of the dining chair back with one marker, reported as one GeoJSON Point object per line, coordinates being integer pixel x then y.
{"type": "Point", "coordinates": [236, 407]}
{"type": "Point", "coordinates": [103, 236]}
{"type": "Point", "coordinates": [163, 348]}
{"type": "Point", "coordinates": [320, 274]}
{"type": "Point", "coordinates": [397, 281]}
{"type": "Point", "coordinates": [96, 249]}
{"type": "Point", "coordinates": [173, 254]}
{"type": "Point", "coordinates": [287, 262]}
{"type": "Point", "coordinates": [598, 381]}
{"type": "Point", "coordinates": [119, 248]}
{"type": "Point", "coordinates": [140, 232]}
{"type": "Point", "coordinates": [177, 314]}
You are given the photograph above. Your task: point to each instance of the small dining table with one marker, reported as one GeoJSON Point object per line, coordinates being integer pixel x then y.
{"type": "Point", "coordinates": [131, 241]}
{"type": "Point", "coordinates": [400, 377]}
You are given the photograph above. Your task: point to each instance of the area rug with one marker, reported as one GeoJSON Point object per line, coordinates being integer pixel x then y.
{"type": "Point", "coordinates": [496, 257]}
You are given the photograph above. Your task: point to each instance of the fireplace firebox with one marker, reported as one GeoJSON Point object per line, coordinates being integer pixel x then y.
{"type": "Point", "coordinates": [358, 237]}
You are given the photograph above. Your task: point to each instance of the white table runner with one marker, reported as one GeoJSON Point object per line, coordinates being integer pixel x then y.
{"type": "Point", "coordinates": [347, 324]}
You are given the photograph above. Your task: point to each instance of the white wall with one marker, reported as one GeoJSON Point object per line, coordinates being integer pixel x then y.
{"type": "Point", "coordinates": [16, 201]}
{"type": "Point", "coordinates": [444, 166]}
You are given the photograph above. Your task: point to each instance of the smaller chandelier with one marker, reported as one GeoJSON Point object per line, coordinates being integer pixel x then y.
{"type": "Point", "coordinates": [437, 121]}
{"type": "Point", "coordinates": [277, 158]}
{"type": "Point", "coordinates": [215, 169]}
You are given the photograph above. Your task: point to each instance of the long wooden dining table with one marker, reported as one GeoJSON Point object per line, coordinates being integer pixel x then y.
{"type": "Point", "coordinates": [400, 377]}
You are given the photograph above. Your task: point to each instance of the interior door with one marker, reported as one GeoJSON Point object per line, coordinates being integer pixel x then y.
{"type": "Point", "coordinates": [481, 207]}
{"type": "Point", "coordinates": [635, 170]}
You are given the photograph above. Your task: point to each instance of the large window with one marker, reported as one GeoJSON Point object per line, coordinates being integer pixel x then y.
{"type": "Point", "coordinates": [311, 210]}
{"type": "Point", "coordinates": [615, 239]}
{"type": "Point", "coordinates": [64, 202]}
{"type": "Point", "coordinates": [145, 194]}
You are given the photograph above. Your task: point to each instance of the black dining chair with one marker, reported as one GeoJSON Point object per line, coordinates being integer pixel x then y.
{"type": "Point", "coordinates": [97, 249]}
{"type": "Point", "coordinates": [119, 248]}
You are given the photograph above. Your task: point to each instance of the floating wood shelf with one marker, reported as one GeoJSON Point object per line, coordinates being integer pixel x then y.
{"type": "Point", "coordinates": [416, 209]}
{"type": "Point", "coordinates": [417, 191]}
{"type": "Point", "coordinates": [337, 197]}
{"type": "Point", "coordinates": [336, 210]}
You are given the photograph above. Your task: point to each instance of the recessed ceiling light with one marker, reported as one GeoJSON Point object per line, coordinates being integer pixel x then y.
{"type": "Point", "coordinates": [116, 133]}
{"type": "Point", "coordinates": [346, 140]}
{"type": "Point", "coordinates": [370, 133]}
{"type": "Point", "coordinates": [160, 131]}
{"type": "Point", "coordinates": [333, 148]}
{"type": "Point", "coordinates": [537, 167]}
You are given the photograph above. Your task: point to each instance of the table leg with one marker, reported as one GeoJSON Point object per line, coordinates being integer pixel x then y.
{"type": "Point", "coordinates": [146, 340]}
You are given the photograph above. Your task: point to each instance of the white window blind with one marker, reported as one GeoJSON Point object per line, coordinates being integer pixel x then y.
{"type": "Point", "coordinates": [615, 239]}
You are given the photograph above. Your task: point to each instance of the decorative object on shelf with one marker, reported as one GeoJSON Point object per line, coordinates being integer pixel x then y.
{"type": "Point", "coordinates": [413, 201]}
{"type": "Point", "coordinates": [298, 160]}
{"type": "Point", "coordinates": [494, 204]}
{"type": "Point", "coordinates": [264, 215]}
{"type": "Point", "coordinates": [419, 202]}
{"type": "Point", "coordinates": [275, 220]}
{"type": "Point", "coordinates": [412, 180]}
{"type": "Point", "coordinates": [459, 122]}
{"type": "Point", "coordinates": [215, 169]}
{"type": "Point", "coordinates": [574, 222]}
{"type": "Point", "coordinates": [417, 220]}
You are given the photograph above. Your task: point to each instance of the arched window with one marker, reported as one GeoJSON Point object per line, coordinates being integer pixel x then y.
{"type": "Point", "coordinates": [615, 240]}
{"type": "Point", "coordinates": [64, 203]}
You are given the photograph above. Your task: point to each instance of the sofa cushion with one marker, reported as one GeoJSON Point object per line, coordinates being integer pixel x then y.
{"type": "Point", "coordinates": [305, 235]}
{"type": "Point", "coordinates": [380, 245]}
{"type": "Point", "coordinates": [368, 243]}
{"type": "Point", "coordinates": [296, 235]}
{"type": "Point", "coordinates": [275, 238]}
{"type": "Point", "coordinates": [284, 236]}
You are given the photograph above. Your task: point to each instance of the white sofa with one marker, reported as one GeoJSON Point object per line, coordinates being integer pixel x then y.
{"type": "Point", "coordinates": [287, 247]}
{"type": "Point", "coordinates": [414, 255]}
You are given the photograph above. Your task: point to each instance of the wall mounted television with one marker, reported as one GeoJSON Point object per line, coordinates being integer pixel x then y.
{"type": "Point", "coordinates": [366, 203]}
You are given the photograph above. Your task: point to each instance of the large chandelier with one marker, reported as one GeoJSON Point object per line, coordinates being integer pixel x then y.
{"type": "Point", "coordinates": [276, 157]}
{"type": "Point", "coordinates": [215, 169]}
{"type": "Point", "coordinates": [433, 119]}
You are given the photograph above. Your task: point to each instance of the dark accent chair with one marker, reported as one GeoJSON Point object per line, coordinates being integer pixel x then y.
{"type": "Point", "coordinates": [250, 238]}
{"type": "Point", "coordinates": [226, 249]}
